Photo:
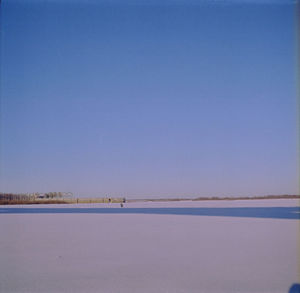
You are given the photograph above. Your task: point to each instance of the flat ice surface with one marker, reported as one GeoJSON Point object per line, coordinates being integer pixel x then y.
{"type": "Point", "coordinates": [204, 246]}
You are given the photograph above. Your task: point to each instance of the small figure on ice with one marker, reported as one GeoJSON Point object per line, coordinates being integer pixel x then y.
{"type": "Point", "coordinates": [123, 201]}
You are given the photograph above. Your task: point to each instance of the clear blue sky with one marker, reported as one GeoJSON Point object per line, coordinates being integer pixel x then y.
{"type": "Point", "coordinates": [149, 98]}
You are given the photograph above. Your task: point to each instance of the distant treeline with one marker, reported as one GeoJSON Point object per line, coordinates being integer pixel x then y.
{"type": "Point", "coordinates": [51, 198]}
{"type": "Point", "coordinates": [219, 198]}
{"type": "Point", "coordinates": [33, 196]}
{"type": "Point", "coordinates": [249, 197]}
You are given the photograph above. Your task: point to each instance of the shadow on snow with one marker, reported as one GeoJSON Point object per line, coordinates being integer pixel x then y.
{"type": "Point", "coordinates": [244, 212]}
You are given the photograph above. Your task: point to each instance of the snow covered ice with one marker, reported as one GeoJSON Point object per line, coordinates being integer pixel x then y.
{"type": "Point", "coordinates": [187, 246]}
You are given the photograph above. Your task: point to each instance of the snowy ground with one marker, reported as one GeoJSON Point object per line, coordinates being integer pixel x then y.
{"type": "Point", "coordinates": [209, 246]}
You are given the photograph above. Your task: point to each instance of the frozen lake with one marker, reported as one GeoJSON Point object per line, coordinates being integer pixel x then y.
{"type": "Point", "coordinates": [208, 246]}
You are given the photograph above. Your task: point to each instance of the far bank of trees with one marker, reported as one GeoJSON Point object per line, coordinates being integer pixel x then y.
{"type": "Point", "coordinates": [33, 196]}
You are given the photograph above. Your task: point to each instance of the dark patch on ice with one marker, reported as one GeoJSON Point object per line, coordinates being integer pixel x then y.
{"type": "Point", "coordinates": [292, 213]}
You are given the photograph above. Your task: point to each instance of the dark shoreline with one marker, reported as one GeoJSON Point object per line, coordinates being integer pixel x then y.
{"type": "Point", "coordinates": [219, 198]}
{"type": "Point", "coordinates": [100, 200]}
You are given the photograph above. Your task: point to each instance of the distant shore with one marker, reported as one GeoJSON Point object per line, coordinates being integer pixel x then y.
{"type": "Point", "coordinates": [122, 200]}
{"type": "Point", "coordinates": [287, 196]}
{"type": "Point", "coordinates": [60, 201]}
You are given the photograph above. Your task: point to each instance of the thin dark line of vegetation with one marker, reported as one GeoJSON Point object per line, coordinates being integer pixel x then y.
{"type": "Point", "coordinates": [52, 198]}
{"type": "Point", "coordinates": [14, 199]}
{"type": "Point", "coordinates": [285, 196]}
{"type": "Point", "coordinates": [14, 202]}
{"type": "Point", "coordinates": [250, 197]}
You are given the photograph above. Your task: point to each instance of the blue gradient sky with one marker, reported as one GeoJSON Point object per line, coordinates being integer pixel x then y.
{"type": "Point", "coordinates": [168, 98]}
